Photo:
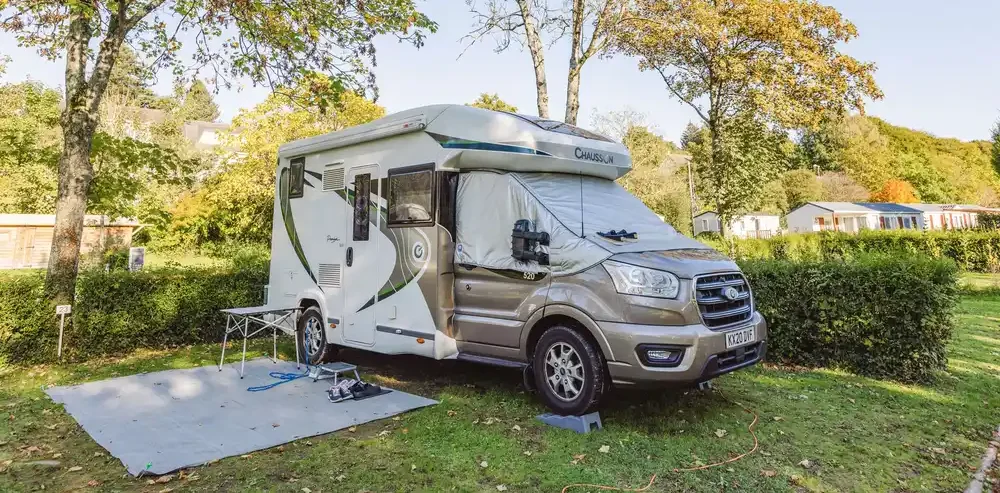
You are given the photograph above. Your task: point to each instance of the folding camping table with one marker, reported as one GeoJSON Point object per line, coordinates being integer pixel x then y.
{"type": "Point", "coordinates": [250, 321]}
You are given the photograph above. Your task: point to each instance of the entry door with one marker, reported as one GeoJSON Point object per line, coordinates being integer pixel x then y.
{"type": "Point", "coordinates": [360, 280]}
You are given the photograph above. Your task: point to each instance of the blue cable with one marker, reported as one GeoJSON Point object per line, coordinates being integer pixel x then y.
{"type": "Point", "coordinates": [284, 377]}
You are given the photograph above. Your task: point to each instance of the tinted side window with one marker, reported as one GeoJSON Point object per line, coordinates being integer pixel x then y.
{"type": "Point", "coordinates": [362, 197]}
{"type": "Point", "coordinates": [296, 182]}
{"type": "Point", "coordinates": [411, 197]}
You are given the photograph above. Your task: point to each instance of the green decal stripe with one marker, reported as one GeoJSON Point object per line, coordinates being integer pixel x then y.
{"type": "Point", "coordinates": [286, 217]}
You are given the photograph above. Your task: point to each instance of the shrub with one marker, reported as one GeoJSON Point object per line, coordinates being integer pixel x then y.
{"type": "Point", "coordinates": [880, 316]}
{"type": "Point", "coordinates": [119, 311]}
{"type": "Point", "coordinates": [974, 251]}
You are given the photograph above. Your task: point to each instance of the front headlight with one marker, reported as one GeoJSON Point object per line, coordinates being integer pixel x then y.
{"type": "Point", "coordinates": [641, 281]}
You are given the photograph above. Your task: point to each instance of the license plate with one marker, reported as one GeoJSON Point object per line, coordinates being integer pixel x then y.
{"type": "Point", "coordinates": [740, 337]}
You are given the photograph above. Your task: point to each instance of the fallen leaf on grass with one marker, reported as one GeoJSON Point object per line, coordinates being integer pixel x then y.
{"type": "Point", "coordinates": [165, 479]}
{"type": "Point", "coordinates": [484, 464]}
{"type": "Point", "coordinates": [720, 433]}
{"type": "Point", "coordinates": [395, 418]}
{"type": "Point", "coordinates": [405, 430]}
{"type": "Point", "coordinates": [778, 418]}
{"type": "Point", "coordinates": [501, 487]}
{"type": "Point", "coordinates": [306, 490]}
{"type": "Point", "coordinates": [341, 477]}
{"type": "Point", "coordinates": [577, 458]}
{"type": "Point", "coordinates": [413, 467]}
{"type": "Point", "coordinates": [56, 456]}
{"type": "Point", "coordinates": [51, 427]}
{"type": "Point", "coordinates": [527, 452]}
{"type": "Point", "coordinates": [92, 483]}
{"type": "Point", "coordinates": [806, 463]}
{"type": "Point", "coordinates": [452, 413]}
{"type": "Point", "coordinates": [150, 481]}
{"type": "Point", "coordinates": [75, 469]}
{"type": "Point", "coordinates": [383, 433]}
{"type": "Point", "coordinates": [166, 490]}
{"type": "Point", "coordinates": [768, 473]}
{"type": "Point", "coordinates": [938, 450]}
{"type": "Point", "coordinates": [352, 429]}
{"type": "Point", "coordinates": [515, 428]}
{"type": "Point", "coordinates": [247, 456]}
{"type": "Point", "coordinates": [604, 449]}
{"type": "Point", "coordinates": [98, 454]}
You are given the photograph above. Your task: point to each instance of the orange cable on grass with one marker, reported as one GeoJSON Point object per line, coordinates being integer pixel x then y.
{"type": "Point", "coordinates": [756, 444]}
{"type": "Point", "coordinates": [613, 488]}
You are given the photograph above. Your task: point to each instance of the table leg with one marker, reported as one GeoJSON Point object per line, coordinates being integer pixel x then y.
{"type": "Point", "coordinates": [296, 336]}
{"type": "Point", "coordinates": [274, 339]}
{"type": "Point", "coordinates": [246, 330]}
{"type": "Point", "coordinates": [229, 318]}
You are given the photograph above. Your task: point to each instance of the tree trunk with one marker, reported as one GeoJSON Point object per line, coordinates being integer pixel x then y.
{"type": "Point", "coordinates": [575, 64]}
{"type": "Point", "coordinates": [79, 122]}
{"type": "Point", "coordinates": [537, 57]}
{"type": "Point", "coordinates": [75, 175]}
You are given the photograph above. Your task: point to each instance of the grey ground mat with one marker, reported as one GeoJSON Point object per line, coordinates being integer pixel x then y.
{"type": "Point", "coordinates": [180, 418]}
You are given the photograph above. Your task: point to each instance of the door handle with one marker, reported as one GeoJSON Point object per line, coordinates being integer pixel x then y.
{"type": "Point", "coordinates": [350, 256]}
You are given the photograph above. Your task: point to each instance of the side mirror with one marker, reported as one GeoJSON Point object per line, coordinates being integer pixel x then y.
{"type": "Point", "coordinates": [525, 242]}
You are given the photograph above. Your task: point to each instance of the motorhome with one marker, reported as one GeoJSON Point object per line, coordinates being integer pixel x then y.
{"type": "Point", "coordinates": [455, 232]}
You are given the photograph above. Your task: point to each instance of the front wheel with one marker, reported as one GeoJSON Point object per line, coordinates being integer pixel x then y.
{"type": "Point", "coordinates": [311, 338]}
{"type": "Point", "coordinates": [569, 372]}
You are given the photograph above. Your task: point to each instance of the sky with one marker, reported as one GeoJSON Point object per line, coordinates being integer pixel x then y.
{"type": "Point", "coordinates": [938, 65]}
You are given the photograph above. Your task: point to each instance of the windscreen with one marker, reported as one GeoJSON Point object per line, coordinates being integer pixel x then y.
{"type": "Point", "coordinates": [589, 205]}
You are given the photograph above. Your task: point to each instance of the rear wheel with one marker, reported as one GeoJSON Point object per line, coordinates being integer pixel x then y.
{"type": "Point", "coordinates": [311, 338]}
{"type": "Point", "coordinates": [569, 372]}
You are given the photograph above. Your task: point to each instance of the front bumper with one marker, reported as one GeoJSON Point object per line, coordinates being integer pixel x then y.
{"type": "Point", "coordinates": [705, 356]}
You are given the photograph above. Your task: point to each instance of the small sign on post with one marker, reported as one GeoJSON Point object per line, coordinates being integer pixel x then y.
{"type": "Point", "coordinates": [136, 258]}
{"type": "Point", "coordinates": [62, 311]}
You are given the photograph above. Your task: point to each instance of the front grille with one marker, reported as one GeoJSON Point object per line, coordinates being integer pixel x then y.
{"type": "Point", "coordinates": [737, 356]}
{"type": "Point", "coordinates": [718, 310]}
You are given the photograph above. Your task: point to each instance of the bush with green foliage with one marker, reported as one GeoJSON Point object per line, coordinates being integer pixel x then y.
{"type": "Point", "coordinates": [972, 250]}
{"type": "Point", "coordinates": [119, 311]}
{"type": "Point", "coordinates": [879, 316]}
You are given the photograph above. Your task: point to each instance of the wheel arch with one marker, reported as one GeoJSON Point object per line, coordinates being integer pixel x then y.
{"type": "Point", "coordinates": [567, 315]}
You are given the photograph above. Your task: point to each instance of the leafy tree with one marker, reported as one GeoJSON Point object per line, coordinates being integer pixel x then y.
{"type": "Point", "coordinates": [800, 186]}
{"type": "Point", "coordinates": [29, 147]}
{"type": "Point", "coordinates": [777, 60]}
{"type": "Point", "coordinates": [839, 187]}
{"type": "Point", "coordinates": [736, 164]}
{"type": "Point", "coordinates": [896, 191]}
{"type": "Point", "coordinates": [493, 102]}
{"type": "Point", "coordinates": [995, 148]}
{"type": "Point", "coordinates": [690, 135]}
{"type": "Point", "coordinates": [198, 104]}
{"type": "Point", "coordinates": [592, 27]}
{"type": "Point", "coordinates": [237, 204]}
{"type": "Point", "coordinates": [274, 43]}
{"type": "Point", "coordinates": [616, 124]}
{"type": "Point", "coordinates": [657, 179]}
{"type": "Point", "coordinates": [860, 149]}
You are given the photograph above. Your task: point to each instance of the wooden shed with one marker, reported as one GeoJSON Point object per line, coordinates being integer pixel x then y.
{"type": "Point", "coordinates": [25, 239]}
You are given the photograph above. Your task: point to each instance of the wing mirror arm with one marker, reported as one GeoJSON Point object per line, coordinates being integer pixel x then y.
{"type": "Point", "coordinates": [525, 242]}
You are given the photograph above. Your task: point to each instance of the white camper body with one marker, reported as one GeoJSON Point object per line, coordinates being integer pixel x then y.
{"type": "Point", "coordinates": [387, 284]}
{"type": "Point", "coordinates": [456, 232]}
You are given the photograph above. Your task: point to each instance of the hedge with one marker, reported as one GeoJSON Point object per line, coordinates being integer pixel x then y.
{"type": "Point", "coordinates": [880, 316]}
{"type": "Point", "coordinates": [971, 250]}
{"type": "Point", "coordinates": [117, 312]}
{"type": "Point", "coordinates": [887, 317]}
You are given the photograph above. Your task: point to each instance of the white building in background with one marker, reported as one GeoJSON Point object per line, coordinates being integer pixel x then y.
{"type": "Point", "coordinates": [752, 225]}
{"type": "Point", "coordinates": [851, 217]}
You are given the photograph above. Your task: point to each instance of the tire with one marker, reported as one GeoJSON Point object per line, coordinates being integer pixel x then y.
{"type": "Point", "coordinates": [569, 372]}
{"type": "Point", "coordinates": [315, 348]}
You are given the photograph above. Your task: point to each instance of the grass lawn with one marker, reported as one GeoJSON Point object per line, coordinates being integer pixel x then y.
{"type": "Point", "coordinates": [858, 434]}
